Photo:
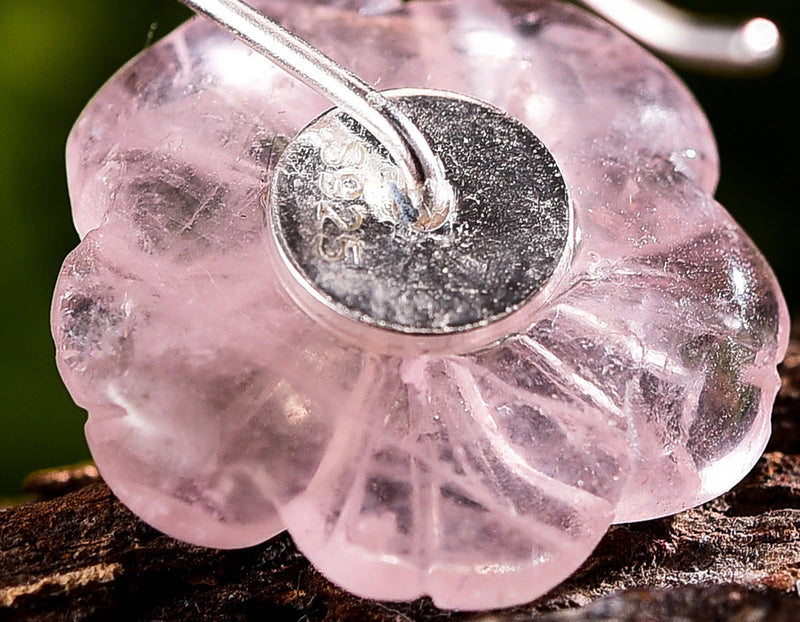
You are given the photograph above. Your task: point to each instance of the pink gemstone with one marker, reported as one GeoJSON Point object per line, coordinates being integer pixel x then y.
{"type": "Point", "coordinates": [221, 413]}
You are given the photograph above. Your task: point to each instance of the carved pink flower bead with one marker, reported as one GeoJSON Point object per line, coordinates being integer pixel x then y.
{"type": "Point", "coordinates": [221, 413]}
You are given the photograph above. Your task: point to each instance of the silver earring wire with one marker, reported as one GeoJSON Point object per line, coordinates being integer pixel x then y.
{"type": "Point", "coordinates": [693, 40]}
{"type": "Point", "coordinates": [427, 185]}
{"type": "Point", "coordinates": [677, 34]}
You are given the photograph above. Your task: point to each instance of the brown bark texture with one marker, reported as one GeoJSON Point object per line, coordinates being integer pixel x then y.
{"type": "Point", "coordinates": [78, 554]}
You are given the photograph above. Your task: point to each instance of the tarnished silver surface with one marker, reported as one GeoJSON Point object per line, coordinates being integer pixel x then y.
{"type": "Point", "coordinates": [337, 209]}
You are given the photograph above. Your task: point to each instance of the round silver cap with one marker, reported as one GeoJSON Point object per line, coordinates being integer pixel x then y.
{"type": "Point", "coordinates": [346, 227]}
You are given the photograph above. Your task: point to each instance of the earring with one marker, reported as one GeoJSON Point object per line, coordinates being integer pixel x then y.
{"type": "Point", "coordinates": [445, 345]}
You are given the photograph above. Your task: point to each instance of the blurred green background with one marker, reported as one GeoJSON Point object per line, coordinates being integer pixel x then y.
{"type": "Point", "coordinates": [54, 54]}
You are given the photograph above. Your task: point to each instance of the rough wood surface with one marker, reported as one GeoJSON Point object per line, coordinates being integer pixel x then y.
{"type": "Point", "coordinates": [82, 555]}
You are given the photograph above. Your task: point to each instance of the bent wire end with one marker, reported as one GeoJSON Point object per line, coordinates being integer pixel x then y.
{"type": "Point", "coordinates": [700, 42]}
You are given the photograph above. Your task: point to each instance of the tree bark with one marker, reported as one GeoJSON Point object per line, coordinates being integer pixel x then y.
{"type": "Point", "coordinates": [79, 554]}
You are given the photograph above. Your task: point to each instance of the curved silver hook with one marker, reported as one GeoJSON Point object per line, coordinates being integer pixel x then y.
{"type": "Point", "coordinates": [427, 186]}
{"type": "Point", "coordinates": [677, 34]}
{"type": "Point", "coordinates": [690, 39]}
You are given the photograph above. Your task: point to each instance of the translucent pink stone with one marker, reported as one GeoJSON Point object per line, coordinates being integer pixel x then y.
{"type": "Point", "coordinates": [222, 414]}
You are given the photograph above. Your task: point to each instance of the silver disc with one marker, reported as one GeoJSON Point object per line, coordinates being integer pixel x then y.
{"type": "Point", "coordinates": [338, 211]}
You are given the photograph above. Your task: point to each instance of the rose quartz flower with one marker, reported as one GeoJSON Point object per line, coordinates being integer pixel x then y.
{"type": "Point", "coordinates": [221, 413]}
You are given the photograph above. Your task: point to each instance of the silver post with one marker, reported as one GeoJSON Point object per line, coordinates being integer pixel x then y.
{"type": "Point", "coordinates": [690, 39]}
{"type": "Point", "coordinates": [427, 185]}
